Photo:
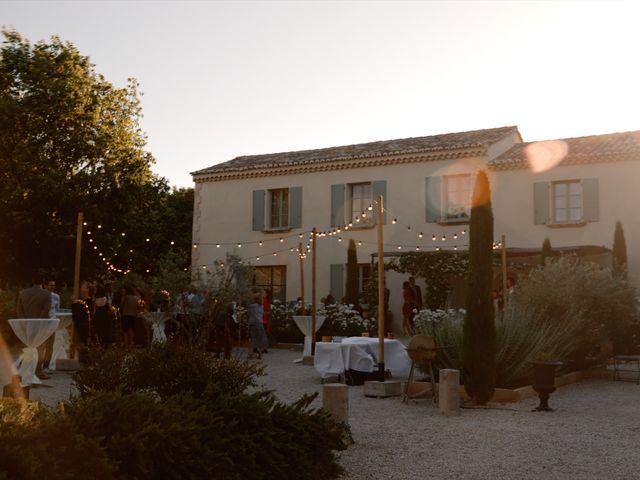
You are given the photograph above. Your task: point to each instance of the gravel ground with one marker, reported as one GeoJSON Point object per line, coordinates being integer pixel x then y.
{"type": "Point", "coordinates": [591, 435]}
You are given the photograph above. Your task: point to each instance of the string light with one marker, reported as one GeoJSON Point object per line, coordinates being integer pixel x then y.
{"type": "Point", "coordinates": [455, 236]}
{"type": "Point", "coordinates": [217, 245]}
{"type": "Point", "coordinates": [172, 242]}
{"type": "Point", "coordinates": [420, 235]}
{"type": "Point", "coordinates": [281, 240]}
{"type": "Point", "coordinates": [148, 240]}
{"type": "Point", "coordinates": [417, 248]}
{"type": "Point", "coordinates": [444, 237]}
{"type": "Point", "coordinates": [433, 237]}
{"type": "Point", "coordinates": [260, 243]}
{"type": "Point", "coordinates": [394, 221]}
{"type": "Point", "coordinates": [239, 245]}
{"type": "Point", "coordinates": [409, 228]}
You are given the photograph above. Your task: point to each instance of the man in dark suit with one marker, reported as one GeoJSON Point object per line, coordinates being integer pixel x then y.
{"type": "Point", "coordinates": [417, 293]}
{"type": "Point", "coordinates": [35, 302]}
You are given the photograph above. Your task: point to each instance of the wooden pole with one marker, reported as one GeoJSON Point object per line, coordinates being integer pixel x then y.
{"type": "Point", "coordinates": [379, 210]}
{"type": "Point", "coordinates": [300, 253]}
{"type": "Point", "coordinates": [313, 289]}
{"type": "Point", "coordinates": [504, 271]}
{"type": "Point", "coordinates": [76, 269]}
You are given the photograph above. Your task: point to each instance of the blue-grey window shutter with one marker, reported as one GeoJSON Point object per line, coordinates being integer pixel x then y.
{"type": "Point", "coordinates": [380, 188]}
{"type": "Point", "coordinates": [541, 203]}
{"type": "Point", "coordinates": [590, 200]}
{"type": "Point", "coordinates": [433, 199]}
{"type": "Point", "coordinates": [336, 285]}
{"type": "Point", "coordinates": [295, 207]}
{"type": "Point", "coordinates": [258, 209]}
{"type": "Point", "coordinates": [337, 205]}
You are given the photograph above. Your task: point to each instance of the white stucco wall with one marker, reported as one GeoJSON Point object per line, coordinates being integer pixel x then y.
{"type": "Point", "coordinates": [619, 196]}
{"type": "Point", "coordinates": [223, 213]}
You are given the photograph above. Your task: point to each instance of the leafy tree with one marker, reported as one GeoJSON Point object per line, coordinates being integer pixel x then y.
{"type": "Point", "coordinates": [352, 293]}
{"type": "Point", "coordinates": [547, 251]}
{"type": "Point", "coordinates": [71, 141]}
{"type": "Point", "coordinates": [479, 342]}
{"type": "Point", "coordinates": [619, 261]}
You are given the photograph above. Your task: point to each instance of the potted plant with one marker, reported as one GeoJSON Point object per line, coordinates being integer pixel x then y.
{"type": "Point", "coordinates": [544, 374]}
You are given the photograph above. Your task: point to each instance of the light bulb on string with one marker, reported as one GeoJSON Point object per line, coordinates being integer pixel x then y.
{"type": "Point", "coordinates": [91, 240]}
{"type": "Point", "coordinates": [420, 235]}
{"type": "Point", "coordinates": [437, 249]}
{"type": "Point", "coordinates": [358, 220]}
{"type": "Point", "coordinates": [260, 243]}
{"type": "Point", "coordinates": [370, 207]}
{"type": "Point", "coordinates": [275, 254]}
{"type": "Point", "coordinates": [455, 247]}
{"type": "Point", "coordinates": [89, 233]}
{"type": "Point", "coordinates": [123, 234]}
{"type": "Point", "coordinates": [195, 245]}
{"type": "Point", "coordinates": [172, 242]}
{"type": "Point", "coordinates": [394, 221]}
{"type": "Point", "coordinates": [84, 224]}
{"type": "Point", "coordinates": [417, 249]}
{"type": "Point", "coordinates": [217, 245]}
{"type": "Point", "coordinates": [455, 236]}
{"type": "Point", "coordinates": [339, 239]}
{"type": "Point", "coordinates": [399, 247]}
{"type": "Point", "coordinates": [464, 232]}
{"type": "Point", "coordinates": [408, 229]}
{"type": "Point", "coordinates": [359, 243]}
{"type": "Point", "coordinates": [281, 240]}
{"type": "Point", "coordinates": [300, 236]}
{"type": "Point", "coordinates": [239, 245]}
{"type": "Point", "coordinates": [148, 239]}
{"type": "Point", "coordinates": [364, 214]}
{"type": "Point", "coordinates": [444, 237]}
{"type": "Point", "coordinates": [257, 258]}
{"type": "Point", "coordinates": [95, 247]}
{"type": "Point", "coordinates": [433, 237]}
{"type": "Point", "coordinates": [350, 224]}
{"type": "Point", "coordinates": [99, 226]}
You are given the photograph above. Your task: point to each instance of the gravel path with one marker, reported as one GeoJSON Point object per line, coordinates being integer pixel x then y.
{"type": "Point", "coordinates": [592, 434]}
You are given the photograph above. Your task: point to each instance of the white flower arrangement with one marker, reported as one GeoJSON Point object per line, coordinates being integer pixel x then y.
{"type": "Point", "coordinates": [426, 320]}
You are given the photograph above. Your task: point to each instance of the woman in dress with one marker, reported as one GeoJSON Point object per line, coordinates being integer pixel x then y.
{"type": "Point", "coordinates": [129, 311]}
{"type": "Point", "coordinates": [266, 316]}
{"type": "Point", "coordinates": [104, 319]}
{"type": "Point", "coordinates": [81, 310]}
{"type": "Point", "coordinates": [407, 309]}
{"type": "Point", "coordinates": [257, 335]}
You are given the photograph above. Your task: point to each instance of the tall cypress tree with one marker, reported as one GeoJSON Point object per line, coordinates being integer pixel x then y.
{"type": "Point", "coordinates": [619, 261]}
{"type": "Point", "coordinates": [547, 251]}
{"type": "Point", "coordinates": [351, 294]}
{"type": "Point", "coordinates": [479, 343]}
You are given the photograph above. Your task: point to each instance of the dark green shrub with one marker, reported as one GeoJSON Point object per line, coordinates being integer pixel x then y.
{"type": "Point", "coordinates": [479, 341]}
{"type": "Point", "coordinates": [619, 261]}
{"type": "Point", "coordinates": [36, 443]}
{"type": "Point", "coordinates": [352, 293]}
{"type": "Point", "coordinates": [165, 368]}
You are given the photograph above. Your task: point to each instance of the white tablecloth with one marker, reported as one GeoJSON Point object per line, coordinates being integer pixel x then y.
{"type": "Point", "coordinates": [157, 319]}
{"type": "Point", "coordinates": [361, 354]}
{"type": "Point", "coordinates": [33, 332]}
{"type": "Point", "coordinates": [304, 324]}
{"type": "Point", "coordinates": [61, 340]}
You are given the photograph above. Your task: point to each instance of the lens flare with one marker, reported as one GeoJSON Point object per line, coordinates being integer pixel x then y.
{"type": "Point", "coordinates": [543, 156]}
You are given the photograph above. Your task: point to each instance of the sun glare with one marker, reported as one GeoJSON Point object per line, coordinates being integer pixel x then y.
{"type": "Point", "coordinates": [543, 156]}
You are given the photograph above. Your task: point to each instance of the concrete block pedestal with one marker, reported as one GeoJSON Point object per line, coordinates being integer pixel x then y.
{"type": "Point", "coordinates": [449, 392]}
{"type": "Point", "coordinates": [335, 400]}
{"type": "Point", "coordinates": [388, 388]}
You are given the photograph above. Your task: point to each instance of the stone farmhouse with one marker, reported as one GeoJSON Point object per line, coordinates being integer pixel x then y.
{"type": "Point", "coordinates": [262, 207]}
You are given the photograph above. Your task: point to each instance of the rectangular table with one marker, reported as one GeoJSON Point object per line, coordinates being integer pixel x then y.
{"type": "Point", "coordinates": [361, 354]}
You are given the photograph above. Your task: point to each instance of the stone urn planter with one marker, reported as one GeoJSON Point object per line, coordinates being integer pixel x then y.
{"type": "Point", "coordinates": [544, 374]}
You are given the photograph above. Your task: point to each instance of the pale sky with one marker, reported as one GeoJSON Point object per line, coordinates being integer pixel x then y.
{"type": "Point", "coordinates": [223, 79]}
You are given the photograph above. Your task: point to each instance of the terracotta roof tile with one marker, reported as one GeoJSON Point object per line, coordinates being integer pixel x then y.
{"type": "Point", "coordinates": [611, 147]}
{"type": "Point", "coordinates": [415, 145]}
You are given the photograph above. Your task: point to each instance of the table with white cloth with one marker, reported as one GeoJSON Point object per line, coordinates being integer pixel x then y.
{"type": "Point", "coordinates": [61, 339]}
{"type": "Point", "coordinates": [33, 332]}
{"type": "Point", "coordinates": [157, 320]}
{"type": "Point", "coordinates": [304, 323]}
{"type": "Point", "coordinates": [361, 354]}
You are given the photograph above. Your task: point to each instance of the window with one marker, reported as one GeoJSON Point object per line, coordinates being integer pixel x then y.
{"type": "Point", "coordinates": [361, 199]}
{"type": "Point", "coordinates": [457, 197]}
{"type": "Point", "coordinates": [567, 201]}
{"type": "Point", "coordinates": [273, 279]}
{"type": "Point", "coordinates": [279, 205]}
